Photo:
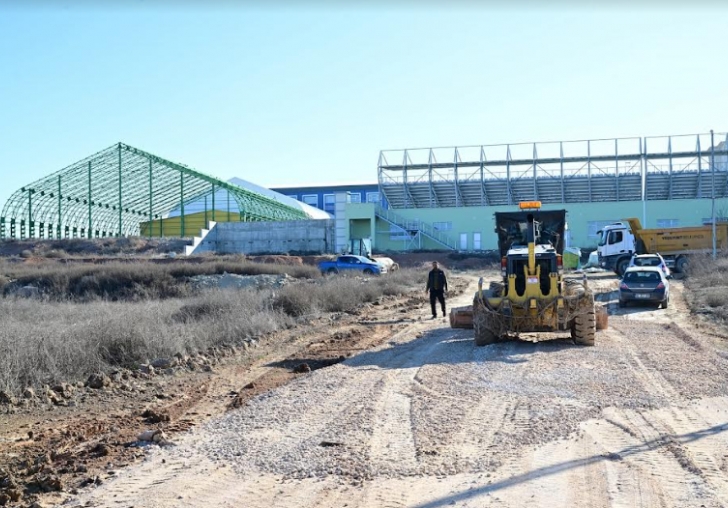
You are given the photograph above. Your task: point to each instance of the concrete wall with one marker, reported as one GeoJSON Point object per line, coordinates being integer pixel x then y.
{"type": "Point", "coordinates": [274, 237]}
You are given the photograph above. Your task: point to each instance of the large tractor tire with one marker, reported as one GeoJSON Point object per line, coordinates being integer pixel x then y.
{"type": "Point", "coordinates": [681, 265]}
{"type": "Point", "coordinates": [584, 327]}
{"type": "Point", "coordinates": [484, 335]}
{"type": "Point", "coordinates": [573, 287]}
{"type": "Point", "coordinates": [622, 266]}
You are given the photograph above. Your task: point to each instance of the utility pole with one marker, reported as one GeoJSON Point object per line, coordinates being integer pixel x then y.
{"type": "Point", "coordinates": [712, 180]}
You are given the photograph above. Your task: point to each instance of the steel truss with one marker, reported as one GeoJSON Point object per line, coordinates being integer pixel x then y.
{"type": "Point", "coordinates": [622, 169]}
{"type": "Point", "coordinates": [111, 192]}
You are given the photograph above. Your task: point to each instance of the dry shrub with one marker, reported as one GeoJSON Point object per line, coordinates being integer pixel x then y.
{"type": "Point", "coordinates": [344, 293]}
{"type": "Point", "coordinates": [56, 254]}
{"type": "Point", "coordinates": [715, 297]}
{"type": "Point", "coordinates": [707, 285]}
{"type": "Point", "coordinates": [51, 341]}
{"type": "Point", "coordinates": [295, 300]}
{"type": "Point", "coordinates": [117, 280]}
{"type": "Point", "coordinates": [74, 340]}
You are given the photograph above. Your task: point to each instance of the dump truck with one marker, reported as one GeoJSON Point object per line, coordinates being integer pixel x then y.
{"type": "Point", "coordinates": [532, 295]}
{"type": "Point", "coordinates": [618, 242]}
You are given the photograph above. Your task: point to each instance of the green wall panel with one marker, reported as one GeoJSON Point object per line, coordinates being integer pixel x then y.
{"type": "Point", "coordinates": [582, 218]}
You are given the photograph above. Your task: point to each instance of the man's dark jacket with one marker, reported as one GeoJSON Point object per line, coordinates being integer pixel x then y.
{"type": "Point", "coordinates": [436, 280]}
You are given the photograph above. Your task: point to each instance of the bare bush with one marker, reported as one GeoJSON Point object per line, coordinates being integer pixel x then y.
{"type": "Point", "coordinates": [707, 285]}
{"type": "Point", "coordinates": [44, 342]}
{"type": "Point", "coordinates": [344, 293]}
{"type": "Point", "coordinates": [119, 280]}
{"type": "Point", "coordinates": [296, 300]}
{"type": "Point", "coordinates": [56, 254]}
{"type": "Point", "coordinates": [75, 339]}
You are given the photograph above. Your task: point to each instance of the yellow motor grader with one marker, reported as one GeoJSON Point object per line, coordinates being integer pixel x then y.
{"type": "Point", "coordinates": [532, 296]}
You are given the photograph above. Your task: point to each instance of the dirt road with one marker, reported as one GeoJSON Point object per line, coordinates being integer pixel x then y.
{"type": "Point", "coordinates": [428, 420]}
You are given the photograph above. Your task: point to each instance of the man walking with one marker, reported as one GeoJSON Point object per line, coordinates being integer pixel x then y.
{"type": "Point", "coordinates": [436, 286]}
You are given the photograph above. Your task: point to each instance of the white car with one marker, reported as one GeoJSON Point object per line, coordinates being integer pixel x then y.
{"type": "Point", "coordinates": [654, 260]}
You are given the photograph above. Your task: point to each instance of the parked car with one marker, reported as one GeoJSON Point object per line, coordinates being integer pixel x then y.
{"type": "Point", "coordinates": [650, 260]}
{"type": "Point", "coordinates": [352, 264]}
{"type": "Point", "coordinates": [644, 284]}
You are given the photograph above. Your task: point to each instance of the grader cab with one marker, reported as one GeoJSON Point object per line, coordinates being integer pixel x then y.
{"type": "Point", "coordinates": [532, 295]}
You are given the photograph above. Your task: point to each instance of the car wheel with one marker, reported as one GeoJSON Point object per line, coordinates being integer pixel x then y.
{"type": "Point", "coordinates": [368, 271]}
{"type": "Point", "coordinates": [622, 304]}
{"type": "Point", "coordinates": [332, 271]}
{"type": "Point", "coordinates": [665, 302]}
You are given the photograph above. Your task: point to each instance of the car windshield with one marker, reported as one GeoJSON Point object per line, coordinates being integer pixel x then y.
{"type": "Point", "coordinates": [642, 277]}
{"type": "Point", "coordinates": [647, 262]}
{"type": "Point", "coordinates": [602, 238]}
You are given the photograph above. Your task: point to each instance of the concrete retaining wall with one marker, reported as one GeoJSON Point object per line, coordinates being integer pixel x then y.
{"type": "Point", "coordinates": [270, 237]}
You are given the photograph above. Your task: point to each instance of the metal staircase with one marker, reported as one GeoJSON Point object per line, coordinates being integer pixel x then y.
{"type": "Point", "coordinates": [416, 229]}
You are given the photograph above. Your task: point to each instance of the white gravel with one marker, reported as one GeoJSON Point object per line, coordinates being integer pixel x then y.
{"type": "Point", "coordinates": [466, 409]}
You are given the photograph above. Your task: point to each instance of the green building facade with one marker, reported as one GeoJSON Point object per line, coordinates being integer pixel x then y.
{"type": "Point", "coordinates": [472, 228]}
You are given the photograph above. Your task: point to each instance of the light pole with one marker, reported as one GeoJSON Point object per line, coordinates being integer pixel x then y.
{"type": "Point", "coordinates": [712, 180]}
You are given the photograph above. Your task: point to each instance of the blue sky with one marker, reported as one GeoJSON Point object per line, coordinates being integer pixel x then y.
{"type": "Point", "coordinates": [311, 93]}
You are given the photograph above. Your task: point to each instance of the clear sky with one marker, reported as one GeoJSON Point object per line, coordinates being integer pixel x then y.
{"type": "Point", "coordinates": [309, 93]}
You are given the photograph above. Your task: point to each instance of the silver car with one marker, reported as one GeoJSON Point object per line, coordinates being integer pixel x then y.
{"type": "Point", "coordinates": [650, 260]}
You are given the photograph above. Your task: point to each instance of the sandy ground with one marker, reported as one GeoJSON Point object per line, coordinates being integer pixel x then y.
{"type": "Point", "coordinates": [429, 420]}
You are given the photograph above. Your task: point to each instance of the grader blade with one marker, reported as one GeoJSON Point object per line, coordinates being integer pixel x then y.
{"type": "Point", "coordinates": [461, 317]}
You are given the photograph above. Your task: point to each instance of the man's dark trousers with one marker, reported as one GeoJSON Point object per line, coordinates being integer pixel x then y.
{"type": "Point", "coordinates": [437, 294]}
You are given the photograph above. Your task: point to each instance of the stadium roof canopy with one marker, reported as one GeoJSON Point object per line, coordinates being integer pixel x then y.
{"type": "Point", "coordinates": [113, 191]}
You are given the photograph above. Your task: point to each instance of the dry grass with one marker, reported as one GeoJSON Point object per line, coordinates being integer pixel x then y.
{"type": "Point", "coordinates": [82, 247]}
{"type": "Point", "coordinates": [55, 341]}
{"type": "Point", "coordinates": [118, 280]}
{"type": "Point", "coordinates": [707, 285]}
{"type": "Point", "coordinates": [46, 341]}
{"type": "Point", "coordinates": [345, 293]}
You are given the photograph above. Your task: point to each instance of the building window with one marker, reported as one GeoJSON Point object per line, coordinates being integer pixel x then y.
{"type": "Point", "coordinates": [594, 226]}
{"type": "Point", "coordinates": [372, 197]}
{"type": "Point", "coordinates": [668, 223]}
{"type": "Point", "coordinates": [311, 199]}
{"type": "Point", "coordinates": [329, 203]}
{"type": "Point", "coordinates": [354, 197]}
{"type": "Point", "coordinates": [442, 226]}
{"type": "Point", "coordinates": [476, 241]}
{"type": "Point", "coordinates": [294, 196]}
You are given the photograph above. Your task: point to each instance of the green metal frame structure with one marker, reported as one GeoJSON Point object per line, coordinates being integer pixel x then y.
{"type": "Point", "coordinates": [111, 192]}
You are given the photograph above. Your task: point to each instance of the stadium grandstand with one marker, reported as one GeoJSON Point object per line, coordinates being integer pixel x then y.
{"type": "Point", "coordinates": [627, 169]}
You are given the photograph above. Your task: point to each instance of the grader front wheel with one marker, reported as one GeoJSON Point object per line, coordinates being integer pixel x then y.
{"type": "Point", "coordinates": [484, 334]}
{"type": "Point", "coordinates": [583, 328]}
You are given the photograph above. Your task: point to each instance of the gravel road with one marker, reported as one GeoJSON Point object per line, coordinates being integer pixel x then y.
{"type": "Point", "coordinates": [429, 420]}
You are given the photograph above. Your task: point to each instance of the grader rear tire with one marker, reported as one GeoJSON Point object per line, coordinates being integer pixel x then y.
{"type": "Point", "coordinates": [483, 333]}
{"type": "Point", "coordinates": [583, 329]}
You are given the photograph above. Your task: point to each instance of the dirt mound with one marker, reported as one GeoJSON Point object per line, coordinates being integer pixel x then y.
{"type": "Point", "coordinates": [277, 260]}
{"type": "Point", "coordinates": [60, 249]}
{"type": "Point", "coordinates": [447, 260]}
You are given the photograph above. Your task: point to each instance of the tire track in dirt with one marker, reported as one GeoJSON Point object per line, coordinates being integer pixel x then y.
{"type": "Point", "coordinates": [657, 452]}
{"type": "Point", "coordinates": [437, 422]}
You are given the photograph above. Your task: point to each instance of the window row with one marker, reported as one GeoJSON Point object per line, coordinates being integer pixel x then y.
{"type": "Point", "coordinates": [329, 200]}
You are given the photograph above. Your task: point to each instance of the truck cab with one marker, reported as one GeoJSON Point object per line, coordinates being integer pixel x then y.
{"type": "Point", "coordinates": [616, 247]}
